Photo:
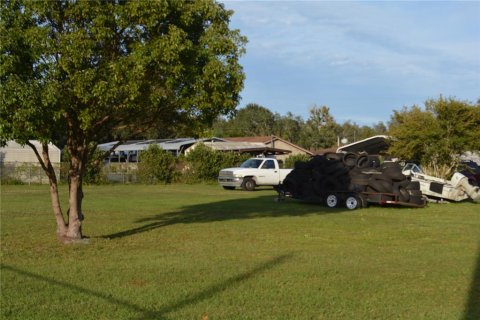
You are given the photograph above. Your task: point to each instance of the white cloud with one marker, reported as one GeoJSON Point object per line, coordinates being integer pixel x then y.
{"type": "Point", "coordinates": [411, 48]}
{"type": "Point", "coordinates": [323, 31]}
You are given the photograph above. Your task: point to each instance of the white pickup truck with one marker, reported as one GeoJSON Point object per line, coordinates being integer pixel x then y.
{"type": "Point", "coordinates": [253, 172]}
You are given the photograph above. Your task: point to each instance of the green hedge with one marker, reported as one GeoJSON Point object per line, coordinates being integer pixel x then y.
{"type": "Point", "coordinates": [290, 161]}
{"type": "Point", "coordinates": [204, 163]}
{"type": "Point", "coordinates": [156, 165]}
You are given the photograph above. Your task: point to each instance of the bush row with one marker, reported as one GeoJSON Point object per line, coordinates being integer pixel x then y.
{"type": "Point", "coordinates": [158, 166]}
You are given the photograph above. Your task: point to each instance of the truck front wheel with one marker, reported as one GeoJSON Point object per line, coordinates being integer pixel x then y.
{"type": "Point", "coordinates": [249, 184]}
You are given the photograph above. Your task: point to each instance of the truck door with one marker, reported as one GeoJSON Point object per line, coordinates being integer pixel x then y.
{"type": "Point", "coordinates": [269, 173]}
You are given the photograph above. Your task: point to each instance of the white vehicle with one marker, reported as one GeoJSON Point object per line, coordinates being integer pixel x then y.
{"type": "Point", "coordinates": [456, 189]}
{"type": "Point", "coordinates": [253, 172]}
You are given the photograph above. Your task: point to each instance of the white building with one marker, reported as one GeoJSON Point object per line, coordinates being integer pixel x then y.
{"type": "Point", "coordinates": [20, 162]}
{"type": "Point", "coordinates": [14, 152]}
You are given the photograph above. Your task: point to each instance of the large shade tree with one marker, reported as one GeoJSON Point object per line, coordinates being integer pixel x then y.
{"type": "Point", "coordinates": [83, 70]}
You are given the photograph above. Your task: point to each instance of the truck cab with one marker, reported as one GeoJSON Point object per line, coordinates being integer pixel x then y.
{"type": "Point", "coordinates": [252, 173]}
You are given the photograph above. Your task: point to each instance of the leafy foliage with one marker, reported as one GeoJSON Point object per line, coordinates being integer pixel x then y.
{"type": "Point", "coordinates": [289, 127]}
{"type": "Point", "coordinates": [437, 135]}
{"type": "Point", "coordinates": [320, 129]}
{"type": "Point", "coordinates": [253, 120]}
{"type": "Point", "coordinates": [290, 161]}
{"type": "Point", "coordinates": [108, 68]}
{"type": "Point", "coordinates": [156, 165]}
{"type": "Point", "coordinates": [204, 163]}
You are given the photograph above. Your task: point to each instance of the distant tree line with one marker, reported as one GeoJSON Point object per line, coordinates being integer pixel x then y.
{"type": "Point", "coordinates": [319, 131]}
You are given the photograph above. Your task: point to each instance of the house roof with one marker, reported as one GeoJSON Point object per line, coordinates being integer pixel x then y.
{"type": "Point", "coordinates": [250, 147]}
{"type": "Point", "coordinates": [178, 144]}
{"type": "Point", "coordinates": [262, 139]}
{"type": "Point", "coordinates": [266, 140]}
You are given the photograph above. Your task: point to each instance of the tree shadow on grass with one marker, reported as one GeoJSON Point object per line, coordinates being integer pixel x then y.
{"type": "Point", "coordinates": [234, 209]}
{"type": "Point", "coordinates": [472, 307]}
{"type": "Point", "coordinates": [144, 313]}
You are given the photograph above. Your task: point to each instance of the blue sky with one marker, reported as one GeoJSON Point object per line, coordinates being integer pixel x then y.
{"type": "Point", "coordinates": [361, 59]}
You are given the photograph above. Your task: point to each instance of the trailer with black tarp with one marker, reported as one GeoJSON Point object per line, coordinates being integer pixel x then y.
{"type": "Point", "coordinates": [352, 180]}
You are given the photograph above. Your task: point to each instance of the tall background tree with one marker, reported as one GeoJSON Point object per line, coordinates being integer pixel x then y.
{"type": "Point", "coordinates": [85, 70]}
{"type": "Point", "coordinates": [289, 127]}
{"type": "Point", "coordinates": [436, 135]}
{"type": "Point", "coordinates": [253, 120]}
{"type": "Point", "coordinates": [321, 129]}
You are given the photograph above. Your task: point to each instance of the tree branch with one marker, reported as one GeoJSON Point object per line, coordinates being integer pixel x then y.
{"type": "Point", "coordinates": [37, 154]}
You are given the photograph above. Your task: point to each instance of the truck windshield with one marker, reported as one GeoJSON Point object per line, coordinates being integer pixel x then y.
{"type": "Point", "coordinates": [251, 163]}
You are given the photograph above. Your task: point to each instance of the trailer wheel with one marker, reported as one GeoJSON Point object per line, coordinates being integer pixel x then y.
{"type": "Point", "coordinates": [403, 195]}
{"type": "Point", "coordinates": [352, 202]}
{"type": "Point", "coordinates": [363, 200]}
{"type": "Point", "coordinates": [332, 200]}
{"type": "Point", "coordinates": [249, 184]}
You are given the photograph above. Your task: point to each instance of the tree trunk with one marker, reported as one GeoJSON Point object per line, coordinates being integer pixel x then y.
{"type": "Point", "coordinates": [75, 190]}
{"type": "Point", "coordinates": [75, 215]}
{"type": "Point", "coordinates": [46, 164]}
{"type": "Point", "coordinates": [57, 210]}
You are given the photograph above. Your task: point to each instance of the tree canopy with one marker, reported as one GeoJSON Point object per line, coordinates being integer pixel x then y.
{"type": "Point", "coordinates": [436, 135]}
{"type": "Point", "coordinates": [84, 70]}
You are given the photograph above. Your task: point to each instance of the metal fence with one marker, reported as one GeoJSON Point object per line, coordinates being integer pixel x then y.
{"type": "Point", "coordinates": [32, 173]}
{"type": "Point", "coordinates": [120, 172]}
{"type": "Point", "coordinates": [24, 172]}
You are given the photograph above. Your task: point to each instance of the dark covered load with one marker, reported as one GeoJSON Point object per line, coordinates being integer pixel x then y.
{"type": "Point", "coordinates": [353, 180]}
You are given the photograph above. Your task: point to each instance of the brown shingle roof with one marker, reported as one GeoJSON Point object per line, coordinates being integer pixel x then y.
{"type": "Point", "coordinates": [265, 139]}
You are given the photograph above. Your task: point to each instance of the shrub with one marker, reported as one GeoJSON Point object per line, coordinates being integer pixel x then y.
{"type": "Point", "coordinates": [290, 161]}
{"type": "Point", "coordinates": [156, 165]}
{"type": "Point", "coordinates": [204, 163]}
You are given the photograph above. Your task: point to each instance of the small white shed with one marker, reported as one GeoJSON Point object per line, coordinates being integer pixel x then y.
{"type": "Point", "coordinates": [14, 152]}
{"type": "Point", "coordinates": [19, 163]}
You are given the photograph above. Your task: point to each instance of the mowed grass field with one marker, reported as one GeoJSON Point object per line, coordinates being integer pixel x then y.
{"type": "Point", "coordinates": [191, 251]}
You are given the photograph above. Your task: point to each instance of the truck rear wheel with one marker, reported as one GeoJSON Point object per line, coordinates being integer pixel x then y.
{"type": "Point", "coordinates": [249, 184]}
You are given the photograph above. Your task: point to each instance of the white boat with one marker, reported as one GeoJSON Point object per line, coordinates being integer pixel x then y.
{"type": "Point", "coordinates": [456, 189]}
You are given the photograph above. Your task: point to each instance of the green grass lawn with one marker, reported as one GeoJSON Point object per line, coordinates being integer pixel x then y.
{"type": "Point", "coordinates": [182, 251]}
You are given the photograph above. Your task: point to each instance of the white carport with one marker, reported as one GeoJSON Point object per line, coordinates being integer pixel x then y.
{"type": "Point", "coordinates": [130, 150]}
